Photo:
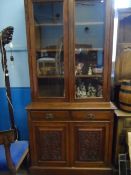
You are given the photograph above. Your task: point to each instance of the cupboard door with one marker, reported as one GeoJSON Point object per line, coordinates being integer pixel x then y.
{"type": "Point", "coordinates": [49, 23]}
{"type": "Point", "coordinates": [51, 146]}
{"type": "Point", "coordinates": [91, 142]}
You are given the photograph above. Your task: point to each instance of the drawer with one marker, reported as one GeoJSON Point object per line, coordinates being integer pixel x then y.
{"type": "Point", "coordinates": [127, 123]}
{"type": "Point", "coordinates": [50, 115]}
{"type": "Point", "coordinates": [92, 115]}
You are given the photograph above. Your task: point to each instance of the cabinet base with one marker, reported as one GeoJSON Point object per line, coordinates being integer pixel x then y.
{"type": "Point", "coordinates": [70, 171]}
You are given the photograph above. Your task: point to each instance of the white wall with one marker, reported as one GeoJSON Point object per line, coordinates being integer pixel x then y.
{"type": "Point", "coordinates": [12, 14]}
{"type": "Point", "coordinates": [122, 3]}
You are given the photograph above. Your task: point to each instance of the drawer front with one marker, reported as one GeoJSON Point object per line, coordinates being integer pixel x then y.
{"type": "Point", "coordinates": [50, 115]}
{"type": "Point", "coordinates": [92, 115]}
{"type": "Point", "coordinates": [127, 123]}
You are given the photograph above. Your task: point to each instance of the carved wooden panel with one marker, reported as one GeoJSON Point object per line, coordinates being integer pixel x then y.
{"type": "Point", "coordinates": [52, 141]}
{"type": "Point", "coordinates": [51, 145]}
{"type": "Point", "coordinates": [90, 142]}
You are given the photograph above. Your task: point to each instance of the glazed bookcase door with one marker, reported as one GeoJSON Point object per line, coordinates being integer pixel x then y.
{"type": "Point", "coordinates": [50, 48]}
{"type": "Point", "coordinates": [89, 53]}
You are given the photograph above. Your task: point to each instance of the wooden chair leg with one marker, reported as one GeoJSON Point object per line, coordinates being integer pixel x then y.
{"type": "Point", "coordinates": [8, 159]}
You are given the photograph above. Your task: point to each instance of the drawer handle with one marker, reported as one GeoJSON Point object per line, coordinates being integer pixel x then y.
{"type": "Point", "coordinates": [49, 116]}
{"type": "Point", "coordinates": [90, 117]}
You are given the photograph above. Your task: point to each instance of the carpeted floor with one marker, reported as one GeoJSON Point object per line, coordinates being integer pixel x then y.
{"type": "Point", "coordinates": [22, 172]}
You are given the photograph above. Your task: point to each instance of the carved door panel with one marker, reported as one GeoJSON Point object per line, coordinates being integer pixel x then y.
{"type": "Point", "coordinates": [52, 143]}
{"type": "Point", "coordinates": [91, 143]}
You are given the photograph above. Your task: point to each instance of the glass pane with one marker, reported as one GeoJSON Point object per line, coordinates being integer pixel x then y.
{"type": "Point", "coordinates": [48, 17]}
{"type": "Point", "coordinates": [89, 44]}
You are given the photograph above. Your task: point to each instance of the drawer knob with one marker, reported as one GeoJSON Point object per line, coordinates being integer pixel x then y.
{"type": "Point", "coordinates": [49, 116]}
{"type": "Point", "coordinates": [90, 117]}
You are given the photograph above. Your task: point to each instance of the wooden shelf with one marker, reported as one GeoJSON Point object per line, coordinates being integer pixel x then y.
{"type": "Point", "coordinates": [77, 24]}
{"type": "Point", "coordinates": [89, 76]}
{"type": "Point", "coordinates": [51, 76]}
{"type": "Point", "coordinates": [77, 76]}
{"type": "Point", "coordinates": [76, 49]}
{"type": "Point", "coordinates": [48, 50]}
{"type": "Point", "coordinates": [124, 43]}
{"type": "Point", "coordinates": [89, 49]}
{"type": "Point", "coordinates": [89, 23]}
{"type": "Point", "coordinates": [45, 1]}
{"type": "Point", "coordinates": [49, 24]}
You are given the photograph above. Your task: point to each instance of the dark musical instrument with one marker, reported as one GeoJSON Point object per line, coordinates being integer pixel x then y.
{"type": "Point", "coordinates": [5, 38]}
